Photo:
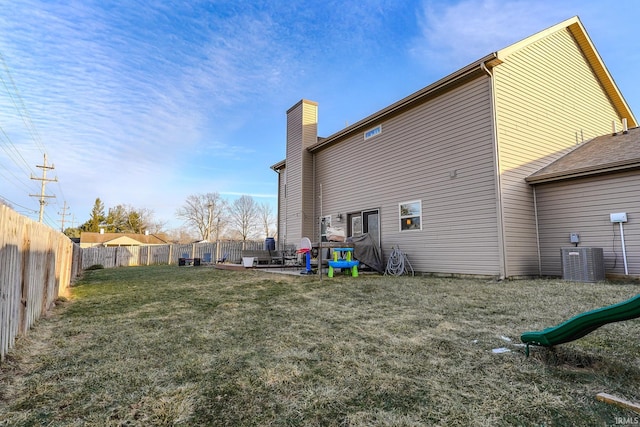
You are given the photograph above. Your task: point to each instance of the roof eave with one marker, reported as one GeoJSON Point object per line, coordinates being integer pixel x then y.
{"type": "Point", "coordinates": [584, 172]}
{"type": "Point", "coordinates": [276, 167]}
{"type": "Point", "coordinates": [579, 33]}
{"type": "Point", "coordinates": [418, 96]}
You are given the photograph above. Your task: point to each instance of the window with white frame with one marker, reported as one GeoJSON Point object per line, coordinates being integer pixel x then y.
{"type": "Point", "coordinates": [325, 222]}
{"type": "Point", "coordinates": [410, 215]}
{"type": "Point", "coordinates": [373, 132]}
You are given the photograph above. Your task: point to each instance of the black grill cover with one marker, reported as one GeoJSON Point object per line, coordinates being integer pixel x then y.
{"type": "Point", "coordinates": [367, 252]}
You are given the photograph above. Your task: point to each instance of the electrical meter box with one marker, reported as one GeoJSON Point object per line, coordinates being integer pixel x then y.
{"type": "Point", "coordinates": [618, 217]}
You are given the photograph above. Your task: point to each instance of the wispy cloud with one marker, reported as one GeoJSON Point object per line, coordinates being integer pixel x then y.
{"type": "Point", "coordinates": [145, 102]}
{"type": "Point", "coordinates": [126, 103]}
{"type": "Point", "coordinates": [455, 34]}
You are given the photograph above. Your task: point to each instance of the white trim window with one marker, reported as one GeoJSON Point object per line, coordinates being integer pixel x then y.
{"type": "Point", "coordinates": [372, 132]}
{"type": "Point", "coordinates": [410, 215]}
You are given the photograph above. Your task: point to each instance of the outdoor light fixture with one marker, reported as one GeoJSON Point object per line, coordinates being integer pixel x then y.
{"type": "Point", "coordinates": [339, 217]}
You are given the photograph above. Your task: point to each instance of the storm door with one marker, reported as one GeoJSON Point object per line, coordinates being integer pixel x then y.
{"type": "Point", "coordinates": [365, 222]}
{"type": "Point", "coordinates": [371, 224]}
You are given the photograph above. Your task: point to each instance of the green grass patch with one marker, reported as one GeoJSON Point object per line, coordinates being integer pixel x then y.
{"type": "Point", "coordinates": [168, 345]}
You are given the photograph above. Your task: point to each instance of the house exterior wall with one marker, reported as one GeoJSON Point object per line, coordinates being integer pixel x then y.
{"type": "Point", "coordinates": [302, 131]}
{"type": "Point", "coordinates": [583, 206]}
{"type": "Point", "coordinates": [281, 223]}
{"type": "Point", "coordinates": [440, 152]}
{"type": "Point", "coordinates": [547, 98]}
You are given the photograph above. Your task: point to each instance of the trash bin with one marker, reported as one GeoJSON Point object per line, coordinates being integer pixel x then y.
{"type": "Point", "coordinates": [196, 262]}
{"type": "Point", "coordinates": [182, 262]}
{"type": "Point", "coordinates": [269, 244]}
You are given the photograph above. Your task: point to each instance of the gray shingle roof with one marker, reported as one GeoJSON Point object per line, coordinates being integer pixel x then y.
{"type": "Point", "coordinates": [603, 154]}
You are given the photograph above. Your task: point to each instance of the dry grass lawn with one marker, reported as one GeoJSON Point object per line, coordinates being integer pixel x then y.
{"type": "Point", "coordinates": [167, 345]}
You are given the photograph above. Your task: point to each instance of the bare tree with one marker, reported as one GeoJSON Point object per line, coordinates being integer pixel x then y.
{"type": "Point", "coordinates": [156, 226]}
{"type": "Point", "coordinates": [179, 235]}
{"type": "Point", "coordinates": [267, 220]}
{"type": "Point", "coordinates": [205, 213]}
{"type": "Point", "coordinates": [243, 216]}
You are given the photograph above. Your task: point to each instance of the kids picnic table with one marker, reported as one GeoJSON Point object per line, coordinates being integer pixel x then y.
{"type": "Point", "coordinates": [342, 258]}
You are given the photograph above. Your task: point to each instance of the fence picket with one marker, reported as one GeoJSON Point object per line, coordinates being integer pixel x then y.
{"type": "Point", "coordinates": [37, 264]}
{"type": "Point", "coordinates": [121, 256]}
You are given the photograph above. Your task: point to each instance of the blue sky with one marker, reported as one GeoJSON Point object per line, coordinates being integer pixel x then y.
{"type": "Point", "coordinates": [147, 102]}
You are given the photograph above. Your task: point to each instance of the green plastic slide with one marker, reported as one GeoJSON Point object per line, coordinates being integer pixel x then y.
{"type": "Point", "coordinates": [584, 323]}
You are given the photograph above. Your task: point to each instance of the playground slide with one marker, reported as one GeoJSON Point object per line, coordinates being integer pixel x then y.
{"type": "Point", "coordinates": [584, 323]}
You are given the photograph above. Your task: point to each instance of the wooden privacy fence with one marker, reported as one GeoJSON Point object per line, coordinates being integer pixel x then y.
{"type": "Point", "coordinates": [126, 256]}
{"type": "Point", "coordinates": [37, 264]}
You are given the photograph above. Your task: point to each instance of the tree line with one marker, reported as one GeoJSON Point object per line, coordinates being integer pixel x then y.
{"type": "Point", "coordinates": [206, 216]}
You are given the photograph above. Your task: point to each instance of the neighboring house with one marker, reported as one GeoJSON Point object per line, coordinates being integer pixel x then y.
{"type": "Point", "coordinates": [88, 239]}
{"type": "Point", "coordinates": [441, 173]}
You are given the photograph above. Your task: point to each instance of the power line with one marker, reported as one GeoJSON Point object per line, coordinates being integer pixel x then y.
{"type": "Point", "coordinates": [22, 109]}
{"type": "Point", "coordinates": [12, 203]}
{"type": "Point", "coordinates": [13, 153]}
{"type": "Point", "coordinates": [18, 180]}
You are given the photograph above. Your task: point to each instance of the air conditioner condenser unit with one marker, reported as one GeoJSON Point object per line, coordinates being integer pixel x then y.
{"type": "Point", "coordinates": [582, 264]}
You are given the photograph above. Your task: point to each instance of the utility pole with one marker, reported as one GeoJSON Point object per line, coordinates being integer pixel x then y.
{"type": "Point", "coordinates": [208, 236]}
{"type": "Point", "coordinates": [44, 180]}
{"type": "Point", "coordinates": [63, 214]}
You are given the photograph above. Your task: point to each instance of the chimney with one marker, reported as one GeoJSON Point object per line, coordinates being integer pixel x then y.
{"type": "Point", "coordinates": [302, 132]}
{"type": "Point", "coordinates": [625, 129]}
{"type": "Point", "coordinates": [615, 129]}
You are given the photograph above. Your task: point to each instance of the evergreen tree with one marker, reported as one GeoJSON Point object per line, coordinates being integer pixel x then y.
{"type": "Point", "coordinates": [97, 217]}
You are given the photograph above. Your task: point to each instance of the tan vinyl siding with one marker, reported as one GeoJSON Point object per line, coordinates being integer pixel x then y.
{"type": "Point", "coordinates": [301, 133]}
{"type": "Point", "coordinates": [293, 201]}
{"type": "Point", "coordinates": [310, 137]}
{"type": "Point", "coordinates": [546, 94]}
{"type": "Point", "coordinates": [583, 206]}
{"type": "Point", "coordinates": [414, 158]}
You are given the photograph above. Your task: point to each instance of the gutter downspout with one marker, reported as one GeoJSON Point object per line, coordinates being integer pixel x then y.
{"type": "Point", "coordinates": [279, 216]}
{"type": "Point", "coordinates": [314, 217]}
{"type": "Point", "coordinates": [535, 212]}
{"type": "Point", "coordinates": [502, 253]}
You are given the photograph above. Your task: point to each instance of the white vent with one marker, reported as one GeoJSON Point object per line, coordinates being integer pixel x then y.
{"type": "Point", "coordinates": [582, 264]}
{"type": "Point", "coordinates": [373, 132]}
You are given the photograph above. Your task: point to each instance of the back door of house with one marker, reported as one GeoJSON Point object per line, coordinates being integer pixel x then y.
{"type": "Point", "coordinates": [365, 222]}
